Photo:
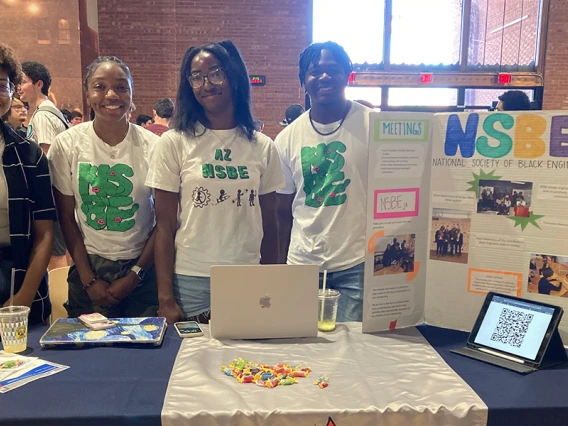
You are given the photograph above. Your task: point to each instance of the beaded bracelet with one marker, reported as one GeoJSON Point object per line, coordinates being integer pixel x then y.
{"type": "Point", "coordinates": [95, 278]}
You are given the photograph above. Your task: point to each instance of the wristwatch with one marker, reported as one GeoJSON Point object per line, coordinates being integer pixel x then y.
{"type": "Point", "coordinates": [139, 271]}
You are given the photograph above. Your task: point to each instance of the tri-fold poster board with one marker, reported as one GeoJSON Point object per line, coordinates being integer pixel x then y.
{"type": "Point", "coordinates": [461, 204]}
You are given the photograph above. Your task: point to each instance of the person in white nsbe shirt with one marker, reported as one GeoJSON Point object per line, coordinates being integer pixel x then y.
{"type": "Point", "coordinates": [98, 171]}
{"type": "Point", "coordinates": [222, 176]}
{"type": "Point", "coordinates": [324, 152]}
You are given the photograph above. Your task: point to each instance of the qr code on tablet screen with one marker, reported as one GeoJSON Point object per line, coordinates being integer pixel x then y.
{"type": "Point", "coordinates": [512, 327]}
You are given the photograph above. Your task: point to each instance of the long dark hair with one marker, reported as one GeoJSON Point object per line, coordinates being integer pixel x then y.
{"type": "Point", "coordinates": [189, 111]}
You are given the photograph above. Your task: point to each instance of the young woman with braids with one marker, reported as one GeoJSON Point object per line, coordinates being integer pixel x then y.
{"type": "Point", "coordinates": [106, 212]}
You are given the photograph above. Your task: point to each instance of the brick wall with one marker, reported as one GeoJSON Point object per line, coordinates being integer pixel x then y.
{"type": "Point", "coordinates": [556, 62]}
{"type": "Point", "coordinates": [40, 35]}
{"type": "Point", "coordinates": [152, 37]}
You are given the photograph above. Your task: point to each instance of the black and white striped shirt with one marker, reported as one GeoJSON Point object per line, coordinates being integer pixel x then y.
{"type": "Point", "coordinates": [29, 198]}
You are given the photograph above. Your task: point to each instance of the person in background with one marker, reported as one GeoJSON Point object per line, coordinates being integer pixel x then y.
{"type": "Point", "coordinates": [324, 153]}
{"type": "Point", "coordinates": [16, 116]}
{"type": "Point", "coordinates": [163, 111]}
{"type": "Point", "coordinates": [76, 118]}
{"type": "Point", "coordinates": [98, 170]}
{"type": "Point", "coordinates": [545, 285]}
{"type": "Point", "coordinates": [514, 100]}
{"type": "Point", "coordinates": [27, 211]}
{"type": "Point", "coordinates": [260, 125]}
{"type": "Point", "coordinates": [292, 112]}
{"type": "Point", "coordinates": [46, 123]}
{"type": "Point", "coordinates": [220, 174]}
{"type": "Point", "coordinates": [144, 120]}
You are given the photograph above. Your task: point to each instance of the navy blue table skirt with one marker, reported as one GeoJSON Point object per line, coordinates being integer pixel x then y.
{"type": "Point", "coordinates": [126, 386]}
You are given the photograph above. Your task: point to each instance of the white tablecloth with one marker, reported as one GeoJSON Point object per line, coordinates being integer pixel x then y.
{"type": "Point", "coordinates": [390, 379]}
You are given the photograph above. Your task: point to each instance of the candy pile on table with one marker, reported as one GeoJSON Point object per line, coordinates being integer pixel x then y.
{"type": "Point", "coordinates": [322, 381]}
{"type": "Point", "coordinates": [268, 376]}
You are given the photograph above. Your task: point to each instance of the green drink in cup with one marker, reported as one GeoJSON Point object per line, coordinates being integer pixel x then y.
{"type": "Point", "coordinates": [327, 310]}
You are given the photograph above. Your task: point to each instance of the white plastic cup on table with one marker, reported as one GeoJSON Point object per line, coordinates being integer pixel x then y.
{"type": "Point", "coordinates": [14, 328]}
{"type": "Point", "coordinates": [327, 309]}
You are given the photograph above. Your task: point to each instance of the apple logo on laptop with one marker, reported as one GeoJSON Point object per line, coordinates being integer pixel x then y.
{"type": "Point", "coordinates": [264, 301]}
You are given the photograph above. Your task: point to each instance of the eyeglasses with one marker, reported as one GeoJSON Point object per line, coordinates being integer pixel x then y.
{"type": "Point", "coordinates": [7, 89]}
{"type": "Point", "coordinates": [19, 107]}
{"type": "Point", "coordinates": [216, 77]}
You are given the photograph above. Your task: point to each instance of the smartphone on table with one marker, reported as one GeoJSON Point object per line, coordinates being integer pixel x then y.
{"type": "Point", "coordinates": [188, 329]}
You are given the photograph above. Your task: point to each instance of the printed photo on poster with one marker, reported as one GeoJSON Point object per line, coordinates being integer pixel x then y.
{"type": "Point", "coordinates": [548, 275]}
{"type": "Point", "coordinates": [394, 254]}
{"type": "Point", "coordinates": [505, 198]}
{"type": "Point", "coordinates": [450, 235]}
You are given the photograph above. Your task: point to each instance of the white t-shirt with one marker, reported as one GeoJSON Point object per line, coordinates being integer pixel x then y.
{"type": "Point", "coordinates": [44, 125]}
{"type": "Point", "coordinates": [219, 177]}
{"type": "Point", "coordinates": [4, 219]}
{"type": "Point", "coordinates": [113, 207]}
{"type": "Point", "coordinates": [328, 174]}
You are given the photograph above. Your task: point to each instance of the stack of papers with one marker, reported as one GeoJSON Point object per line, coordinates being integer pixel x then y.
{"type": "Point", "coordinates": [17, 370]}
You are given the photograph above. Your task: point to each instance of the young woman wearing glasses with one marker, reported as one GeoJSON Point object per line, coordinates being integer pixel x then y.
{"type": "Point", "coordinates": [26, 208]}
{"type": "Point", "coordinates": [220, 173]}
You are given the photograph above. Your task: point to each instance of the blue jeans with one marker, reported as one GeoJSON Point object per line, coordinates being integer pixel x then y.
{"type": "Point", "coordinates": [193, 294]}
{"type": "Point", "coordinates": [350, 284]}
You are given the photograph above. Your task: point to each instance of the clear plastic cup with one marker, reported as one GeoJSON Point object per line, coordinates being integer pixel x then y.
{"type": "Point", "coordinates": [327, 310]}
{"type": "Point", "coordinates": [14, 328]}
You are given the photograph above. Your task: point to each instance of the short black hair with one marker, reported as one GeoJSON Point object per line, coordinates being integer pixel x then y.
{"type": "Point", "coordinates": [38, 72]}
{"type": "Point", "coordinates": [293, 112]}
{"type": "Point", "coordinates": [189, 111]}
{"type": "Point", "coordinates": [312, 54]}
{"type": "Point", "coordinates": [515, 100]}
{"type": "Point", "coordinates": [101, 60]}
{"type": "Point", "coordinates": [143, 118]}
{"type": "Point", "coordinates": [164, 108]}
{"type": "Point", "coordinates": [9, 64]}
{"type": "Point", "coordinates": [66, 113]}
{"type": "Point", "coordinates": [547, 272]}
{"type": "Point", "coordinates": [76, 114]}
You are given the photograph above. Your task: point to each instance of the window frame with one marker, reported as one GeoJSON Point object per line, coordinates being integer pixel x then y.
{"type": "Point", "coordinates": [387, 67]}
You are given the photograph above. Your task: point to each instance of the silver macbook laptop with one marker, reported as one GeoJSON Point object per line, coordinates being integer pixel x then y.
{"type": "Point", "coordinates": [264, 301]}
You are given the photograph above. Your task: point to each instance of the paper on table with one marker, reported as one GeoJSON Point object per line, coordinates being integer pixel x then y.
{"type": "Point", "coordinates": [10, 364]}
{"type": "Point", "coordinates": [16, 370]}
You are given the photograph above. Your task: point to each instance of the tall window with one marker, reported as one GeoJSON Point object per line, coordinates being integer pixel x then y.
{"type": "Point", "coordinates": [356, 24]}
{"type": "Point", "coordinates": [426, 32]}
{"type": "Point", "coordinates": [502, 35]}
{"type": "Point", "coordinates": [64, 33]}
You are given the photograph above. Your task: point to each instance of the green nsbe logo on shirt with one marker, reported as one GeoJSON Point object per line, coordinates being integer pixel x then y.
{"type": "Point", "coordinates": [323, 177]}
{"type": "Point", "coordinates": [223, 172]}
{"type": "Point", "coordinates": [110, 206]}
